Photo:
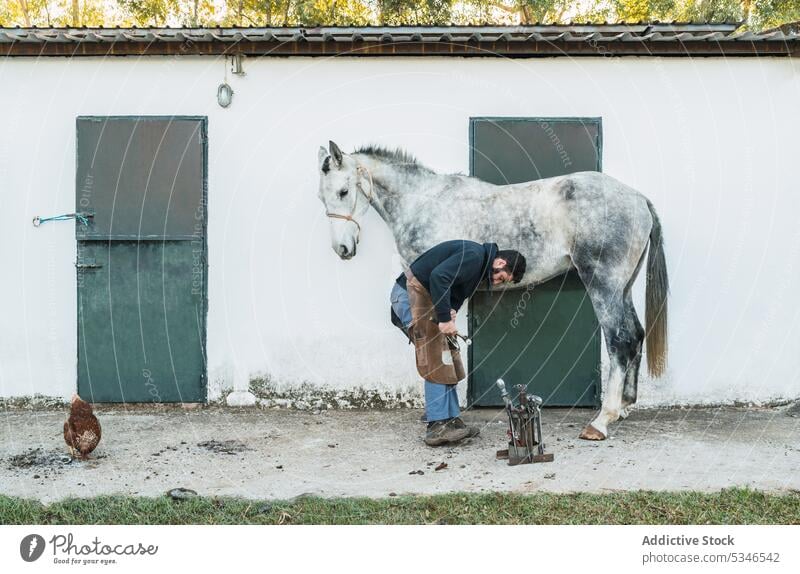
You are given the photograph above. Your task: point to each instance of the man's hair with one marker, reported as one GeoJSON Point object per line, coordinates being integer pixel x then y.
{"type": "Point", "coordinates": [515, 263]}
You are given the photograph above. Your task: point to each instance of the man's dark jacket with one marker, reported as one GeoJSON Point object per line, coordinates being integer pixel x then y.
{"type": "Point", "coordinates": [451, 272]}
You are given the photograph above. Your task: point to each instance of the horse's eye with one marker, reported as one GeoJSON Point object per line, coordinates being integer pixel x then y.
{"type": "Point", "coordinates": [342, 193]}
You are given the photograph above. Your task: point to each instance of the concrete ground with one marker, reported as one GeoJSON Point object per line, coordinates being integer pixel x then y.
{"type": "Point", "coordinates": [280, 454]}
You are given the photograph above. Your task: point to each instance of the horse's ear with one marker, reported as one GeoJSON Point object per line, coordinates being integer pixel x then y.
{"type": "Point", "coordinates": [336, 153]}
{"type": "Point", "coordinates": [322, 156]}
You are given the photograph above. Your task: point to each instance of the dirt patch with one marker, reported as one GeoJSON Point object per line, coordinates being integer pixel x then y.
{"type": "Point", "coordinates": [36, 457]}
{"type": "Point", "coordinates": [278, 454]}
{"type": "Point", "coordinates": [224, 446]}
{"type": "Point", "coordinates": [48, 463]}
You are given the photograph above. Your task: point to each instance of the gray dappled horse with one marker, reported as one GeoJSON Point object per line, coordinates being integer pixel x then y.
{"type": "Point", "coordinates": [586, 221]}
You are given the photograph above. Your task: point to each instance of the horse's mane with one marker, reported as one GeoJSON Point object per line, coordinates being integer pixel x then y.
{"type": "Point", "coordinates": [397, 156]}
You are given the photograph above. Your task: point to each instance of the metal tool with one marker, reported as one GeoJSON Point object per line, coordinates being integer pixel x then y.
{"type": "Point", "coordinates": [525, 443]}
{"type": "Point", "coordinates": [453, 339]}
{"type": "Point", "coordinates": [509, 408]}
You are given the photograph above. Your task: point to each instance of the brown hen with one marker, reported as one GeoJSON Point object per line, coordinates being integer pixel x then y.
{"type": "Point", "coordinates": [81, 429]}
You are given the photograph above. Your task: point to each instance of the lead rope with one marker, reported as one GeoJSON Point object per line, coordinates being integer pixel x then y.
{"type": "Point", "coordinates": [360, 169]}
{"type": "Point", "coordinates": [79, 217]}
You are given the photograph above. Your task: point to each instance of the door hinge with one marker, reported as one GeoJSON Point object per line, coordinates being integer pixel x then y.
{"type": "Point", "coordinates": [87, 263]}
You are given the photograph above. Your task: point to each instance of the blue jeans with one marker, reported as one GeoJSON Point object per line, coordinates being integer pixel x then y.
{"type": "Point", "coordinates": [441, 401]}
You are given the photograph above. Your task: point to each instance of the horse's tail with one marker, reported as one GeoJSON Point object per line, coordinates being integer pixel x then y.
{"type": "Point", "coordinates": [656, 300]}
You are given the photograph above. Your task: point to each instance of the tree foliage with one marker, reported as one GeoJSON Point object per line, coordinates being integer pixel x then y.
{"type": "Point", "coordinates": [54, 12]}
{"type": "Point", "coordinates": [414, 12]}
{"type": "Point", "coordinates": [754, 14]}
{"type": "Point", "coordinates": [773, 13]}
{"type": "Point", "coordinates": [680, 10]}
{"type": "Point", "coordinates": [330, 12]}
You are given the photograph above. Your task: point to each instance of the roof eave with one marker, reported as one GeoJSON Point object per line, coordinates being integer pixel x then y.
{"type": "Point", "coordinates": [640, 39]}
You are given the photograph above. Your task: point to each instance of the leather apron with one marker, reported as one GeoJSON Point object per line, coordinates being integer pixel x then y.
{"type": "Point", "coordinates": [438, 359]}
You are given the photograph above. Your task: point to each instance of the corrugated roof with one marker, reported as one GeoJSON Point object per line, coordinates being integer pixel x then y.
{"type": "Point", "coordinates": [673, 38]}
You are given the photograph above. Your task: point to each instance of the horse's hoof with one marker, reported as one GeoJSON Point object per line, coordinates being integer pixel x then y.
{"type": "Point", "coordinates": [591, 433]}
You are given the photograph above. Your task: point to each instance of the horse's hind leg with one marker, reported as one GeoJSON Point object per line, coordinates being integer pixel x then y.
{"type": "Point", "coordinates": [636, 331]}
{"type": "Point", "coordinates": [610, 313]}
{"type": "Point", "coordinates": [608, 252]}
{"type": "Point", "coordinates": [622, 344]}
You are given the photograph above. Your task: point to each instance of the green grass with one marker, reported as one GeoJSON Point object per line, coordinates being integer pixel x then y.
{"type": "Point", "coordinates": [733, 506]}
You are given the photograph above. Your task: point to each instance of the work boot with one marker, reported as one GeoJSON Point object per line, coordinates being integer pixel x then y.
{"type": "Point", "coordinates": [459, 424]}
{"type": "Point", "coordinates": [440, 432]}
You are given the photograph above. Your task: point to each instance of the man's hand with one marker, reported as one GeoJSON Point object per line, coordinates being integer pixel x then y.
{"type": "Point", "coordinates": [448, 328]}
{"type": "Point", "coordinates": [452, 314]}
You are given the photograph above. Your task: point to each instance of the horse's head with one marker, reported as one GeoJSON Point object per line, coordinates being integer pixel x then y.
{"type": "Point", "coordinates": [341, 189]}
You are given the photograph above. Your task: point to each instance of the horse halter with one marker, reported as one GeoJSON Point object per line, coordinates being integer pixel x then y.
{"type": "Point", "coordinates": [360, 169]}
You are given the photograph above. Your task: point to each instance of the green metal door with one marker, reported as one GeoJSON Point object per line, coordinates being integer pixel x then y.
{"type": "Point", "coordinates": [546, 337]}
{"type": "Point", "coordinates": [141, 264]}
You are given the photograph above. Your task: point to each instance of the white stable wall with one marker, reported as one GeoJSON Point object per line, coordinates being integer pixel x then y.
{"type": "Point", "coordinates": [712, 142]}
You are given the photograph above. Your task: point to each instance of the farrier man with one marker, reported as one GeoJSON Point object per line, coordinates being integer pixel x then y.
{"type": "Point", "coordinates": [425, 300]}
